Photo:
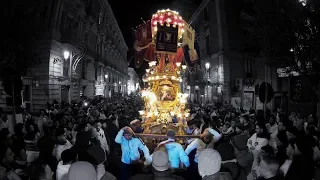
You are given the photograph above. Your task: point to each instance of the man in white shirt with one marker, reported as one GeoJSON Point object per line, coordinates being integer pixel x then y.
{"type": "Point", "coordinates": [99, 134]}
{"type": "Point", "coordinates": [206, 140]}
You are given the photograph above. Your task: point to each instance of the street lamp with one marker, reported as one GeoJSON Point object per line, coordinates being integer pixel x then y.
{"type": "Point", "coordinates": [207, 66]}
{"type": "Point", "coordinates": [67, 55]}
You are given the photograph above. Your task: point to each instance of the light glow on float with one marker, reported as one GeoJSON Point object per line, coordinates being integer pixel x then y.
{"type": "Point", "coordinates": [164, 38]}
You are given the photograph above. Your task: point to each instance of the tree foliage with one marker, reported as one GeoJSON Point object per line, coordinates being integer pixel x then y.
{"type": "Point", "coordinates": [18, 36]}
{"type": "Point", "coordinates": [286, 33]}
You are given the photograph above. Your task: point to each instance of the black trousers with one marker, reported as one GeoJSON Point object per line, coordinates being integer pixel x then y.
{"type": "Point", "coordinates": [194, 171]}
{"type": "Point", "coordinates": [129, 170]}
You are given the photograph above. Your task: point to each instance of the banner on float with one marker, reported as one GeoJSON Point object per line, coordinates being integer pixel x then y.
{"type": "Point", "coordinates": [144, 35]}
{"type": "Point", "coordinates": [167, 39]}
{"type": "Point", "coordinates": [188, 36]}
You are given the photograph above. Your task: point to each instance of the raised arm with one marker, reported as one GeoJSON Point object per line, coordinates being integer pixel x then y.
{"type": "Point", "coordinates": [119, 137]}
{"type": "Point", "coordinates": [192, 146]}
{"type": "Point", "coordinates": [216, 135]}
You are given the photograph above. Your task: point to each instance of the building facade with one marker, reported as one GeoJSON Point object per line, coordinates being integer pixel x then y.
{"type": "Point", "coordinates": [81, 52]}
{"type": "Point", "coordinates": [133, 82]}
{"type": "Point", "coordinates": [231, 75]}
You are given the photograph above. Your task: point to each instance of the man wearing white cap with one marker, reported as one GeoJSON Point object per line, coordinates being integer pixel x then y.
{"type": "Point", "coordinates": [175, 151]}
{"type": "Point", "coordinates": [210, 164]}
{"type": "Point", "coordinates": [161, 169]}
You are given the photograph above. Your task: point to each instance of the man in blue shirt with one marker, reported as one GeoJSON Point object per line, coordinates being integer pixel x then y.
{"type": "Point", "coordinates": [175, 151]}
{"type": "Point", "coordinates": [131, 147]}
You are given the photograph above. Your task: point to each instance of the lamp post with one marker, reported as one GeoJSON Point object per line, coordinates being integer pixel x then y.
{"type": "Point", "coordinates": [67, 55]}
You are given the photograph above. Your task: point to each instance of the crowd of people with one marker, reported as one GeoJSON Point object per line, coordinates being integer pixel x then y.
{"type": "Point", "coordinates": [97, 140]}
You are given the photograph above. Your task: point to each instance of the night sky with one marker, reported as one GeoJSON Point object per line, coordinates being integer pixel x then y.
{"type": "Point", "coordinates": [129, 12]}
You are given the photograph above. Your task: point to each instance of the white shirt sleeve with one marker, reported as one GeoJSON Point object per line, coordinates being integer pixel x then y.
{"type": "Point", "coordinates": [192, 146]}
{"type": "Point", "coordinates": [216, 136]}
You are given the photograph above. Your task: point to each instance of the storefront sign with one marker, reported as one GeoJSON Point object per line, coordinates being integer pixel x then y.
{"type": "Point", "coordinates": [99, 90]}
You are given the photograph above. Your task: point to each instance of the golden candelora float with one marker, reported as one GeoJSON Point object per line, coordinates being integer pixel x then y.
{"type": "Point", "coordinates": [166, 42]}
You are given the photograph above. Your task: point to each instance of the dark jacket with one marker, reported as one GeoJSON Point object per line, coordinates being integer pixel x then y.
{"type": "Point", "coordinates": [236, 171]}
{"type": "Point", "coordinates": [301, 168]}
{"type": "Point", "coordinates": [157, 175]}
{"type": "Point", "coordinates": [218, 176]}
{"type": "Point", "coordinates": [245, 160]}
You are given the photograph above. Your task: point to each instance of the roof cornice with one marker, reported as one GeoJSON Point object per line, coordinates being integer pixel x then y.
{"type": "Point", "coordinates": [194, 16]}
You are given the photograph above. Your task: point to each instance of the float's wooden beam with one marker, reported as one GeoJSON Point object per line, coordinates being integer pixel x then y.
{"type": "Point", "coordinates": [159, 136]}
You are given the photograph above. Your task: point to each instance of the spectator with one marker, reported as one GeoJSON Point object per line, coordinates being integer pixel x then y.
{"type": "Point", "coordinates": [61, 143]}
{"type": "Point", "coordinates": [160, 169]}
{"type": "Point", "coordinates": [229, 162]}
{"type": "Point", "coordinates": [210, 164]}
{"type": "Point", "coordinates": [82, 170]}
{"type": "Point", "coordinates": [67, 158]}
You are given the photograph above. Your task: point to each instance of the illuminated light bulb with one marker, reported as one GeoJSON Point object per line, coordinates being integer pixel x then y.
{"type": "Point", "coordinates": [178, 64]}
{"type": "Point", "coordinates": [156, 15]}
{"type": "Point", "coordinates": [150, 114]}
{"type": "Point", "coordinates": [180, 80]}
{"type": "Point", "coordinates": [161, 22]}
{"type": "Point", "coordinates": [157, 77]}
{"type": "Point", "coordinates": [178, 72]}
{"type": "Point", "coordinates": [175, 23]}
{"type": "Point", "coordinates": [164, 76]}
{"type": "Point", "coordinates": [180, 17]}
{"type": "Point", "coordinates": [186, 114]}
{"type": "Point", "coordinates": [173, 77]}
{"type": "Point", "coordinates": [184, 67]}
{"type": "Point", "coordinates": [182, 30]}
{"type": "Point", "coordinates": [152, 72]}
{"type": "Point", "coordinates": [165, 87]}
{"type": "Point", "coordinates": [161, 16]}
{"type": "Point", "coordinates": [156, 113]}
{"type": "Point", "coordinates": [155, 29]}
{"type": "Point", "coordinates": [149, 78]}
{"type": "Point", "coordinates": [179, 24]}
{"type": "Point", "coordinates": [172, 113]}
{"type": "Point", "coordinates": [169, 13]}
{"type": "Point", "coordinates": [175, 17]}
{"type": "Point", "coordinates": [147, 70]}
{"type": "Point", "coordinates": [169, 20]}
{"type": "Point", "coordinates": [155, 23]}
{"type": "Point", "coordinates": [141, 112]}
{"type": "Point", "coordinates": [179, 115]}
